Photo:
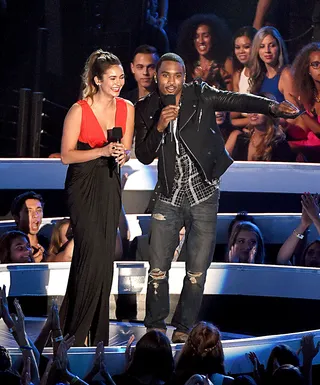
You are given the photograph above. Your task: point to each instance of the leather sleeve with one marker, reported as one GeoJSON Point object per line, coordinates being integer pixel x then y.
{"type": "Point", "coordinates": [234, 101]}
{"type": "Point", "coordinates": [148, 140]}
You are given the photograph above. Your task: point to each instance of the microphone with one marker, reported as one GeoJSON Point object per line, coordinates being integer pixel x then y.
{"type": "Point", "coordinates": [116, 136]}
{"type": "Point", "coordinates": [169, 100]}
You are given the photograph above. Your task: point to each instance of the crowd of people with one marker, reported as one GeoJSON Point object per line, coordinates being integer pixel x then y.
{"type": "Point", "coordinates": [219, 100]}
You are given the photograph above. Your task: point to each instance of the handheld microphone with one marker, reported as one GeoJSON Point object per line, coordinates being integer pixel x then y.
{"type": "Point", "coordinates": [116, 136]}
{"type": "Point", "coordinates": [169, 100]}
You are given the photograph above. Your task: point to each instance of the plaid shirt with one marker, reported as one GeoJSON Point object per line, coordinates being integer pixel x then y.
{"type": "Point", "coordinates": [188, 182]}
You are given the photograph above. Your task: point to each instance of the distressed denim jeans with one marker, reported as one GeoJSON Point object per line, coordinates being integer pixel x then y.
{"type": "Point", "coordinates": [200, 222]}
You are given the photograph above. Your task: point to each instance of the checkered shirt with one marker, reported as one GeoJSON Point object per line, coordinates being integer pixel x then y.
{"type": "Point", "coordinates": [188, 182]}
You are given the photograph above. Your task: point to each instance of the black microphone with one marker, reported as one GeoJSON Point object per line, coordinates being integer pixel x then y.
{"type": "Point", "coordinates": [169, 100]}
{"type": "Point", "coordinates": [116, 136]}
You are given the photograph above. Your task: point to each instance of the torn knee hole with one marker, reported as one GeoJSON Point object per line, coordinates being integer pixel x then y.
{"type": "Point", "coordinates": [193, 276]}
{"type": "Point", "coordinates": [159, 217]}
{"type": "Point", "coordinates": [157, 274]}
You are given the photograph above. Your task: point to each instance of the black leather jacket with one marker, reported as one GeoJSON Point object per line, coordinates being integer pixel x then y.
{"type": "Point", "coordinates": [197, 128]}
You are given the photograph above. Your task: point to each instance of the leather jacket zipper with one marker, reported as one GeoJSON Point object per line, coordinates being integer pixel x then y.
{"type": "Point", "coordinates": [164, 164]}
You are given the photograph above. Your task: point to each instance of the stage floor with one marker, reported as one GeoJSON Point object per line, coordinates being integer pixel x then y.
{"type": "Point", "coordinates": [120, 332]}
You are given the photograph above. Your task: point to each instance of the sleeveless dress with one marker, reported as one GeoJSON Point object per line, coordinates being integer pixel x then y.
{"type": "Point", "coordinates": [243, 83]}
{"type": "Point", "coordinates": [270, 86]}
{"type": "Point", "coordinates": [94, 201]}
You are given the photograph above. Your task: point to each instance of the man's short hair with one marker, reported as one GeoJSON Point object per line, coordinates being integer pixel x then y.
{"type": "Point", "coordinates": [20, 200]}
{"type": "Point", "coordinates": [146, 49]}
{"type": "Point", "coordinates": [170, 56]}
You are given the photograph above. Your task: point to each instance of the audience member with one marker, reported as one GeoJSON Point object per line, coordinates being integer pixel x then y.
{"type": "Point", "coordinates": [241, 216]}
{"type": "Point", "coordinates": [15, 248]}
{"type": "Point", "coordinates": [27, 211]}
{"type": "Point", "coordinates": [268, 60]}
{"type": "Point", "coordinates": [151, 361]}
{"type": "Point", "coordinates": [304, 132]}
{"type": "Point", "coordinates": [204, 43]}
{"type": "Point", "coordinates": [311, 255]}
{"type": "Point", "coordinates": [264, 141]}
{"type": "Point", "coordinates": [244, 380]}
{"type": "Point", "coordinates": [61, 244]}
{"type": "Point", "coordinates": [156, 19]}
{"type": "Point", "coordinates": [202, 354]}
{"type": "Point", "coordinates": [287, 374]}
{"type": "Point", "coordinates": [143, 67]}
{"type": "Point", "coordinates": [241, 50]}
{"type": "Point", "coordinates": [245, 244]}
{"type": "Point", "coordinates": [225, 125]}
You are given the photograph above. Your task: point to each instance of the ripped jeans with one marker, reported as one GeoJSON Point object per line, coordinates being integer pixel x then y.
{"type": "Point", "coordinates": [200, 223]}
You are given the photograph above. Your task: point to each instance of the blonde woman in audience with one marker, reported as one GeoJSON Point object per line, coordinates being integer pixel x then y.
{"type": "Point", "coordinates": [268, 66]}
{"type": "Point", "coordinates": [62, 243]}
{"type": "Point", "coordinates": [15, 248]}
{"type": "Point", "coordinates": [245, 244]}
{"type": "Point", "coordinates": [263, 141]}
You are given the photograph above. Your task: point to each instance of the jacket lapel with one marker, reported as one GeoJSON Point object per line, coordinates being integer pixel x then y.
{"type": "Point", "coordinates": [188, 109]}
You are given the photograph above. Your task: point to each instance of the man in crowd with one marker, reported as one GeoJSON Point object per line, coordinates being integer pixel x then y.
{"type": "Point", "coordinates": [176, 123]}
{"type": "Point", "coordinates": [27, 211]}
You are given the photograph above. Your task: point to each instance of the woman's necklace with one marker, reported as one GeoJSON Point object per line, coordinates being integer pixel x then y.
{"type": "Point", "coordinates": [316, 96]}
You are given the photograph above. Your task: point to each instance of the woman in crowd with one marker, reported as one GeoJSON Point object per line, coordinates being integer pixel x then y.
{"type": "Point", "coordinates": [242, 42]}
{"type": "Point", "coordinates": [245, 244]}
{"type": "Point", "coordinates": [311, 255]}
{"type": "Point", "coordinates": [62, 243]}
{"type": "Point", "coordinates": [151, 361]}
{"type": "Point", "coordinates": [304, 133]}
{"type": "Point", "coordinates": [264, 141]}
{"type": "Point", "coordinates": [94, 194]}
{"type": "Point", "coordinates": [15, 248]}
{"type": "Point", "coordinates": [225, 125]}
{"type": "Point", "coordinates": [204, 44]}
{"type": "Point", "coordinates": [268, 71]}
{"type": "Point", "coordinates": [202, 354]}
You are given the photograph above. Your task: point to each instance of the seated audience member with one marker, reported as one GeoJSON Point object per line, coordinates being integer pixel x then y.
{"type": "Point", "coordinates": [203, 354]}
{"type": "Point", "coordinates": [7, 375]}
{"type": "Point", "coordinates": [15, 248]}
{"type": "Point", "coordinates": [245, 244]}
{"type": "Point", "coordinates": [242, 41]}
{"type": "Point", "coordinates": [241, 216]}
{"type": "Point", "coordinates": [225, 125]}
{"type": "Point", "coordinates": [62, 243]}
{"type": "Point", "coordinates": [264, 141]}
{"type": "Point", "coordinates": [303, 133]}
{"type": "Point", "coordinates": [143, 67]}
{"type": "Point", "coordinates": [27, 211]}
{"type": "Point", "coordinates": [151, 361]}
{"type": "Point", "coordinates": [204, 43]}
{"type": "Point", "coordinates": [311, 254]}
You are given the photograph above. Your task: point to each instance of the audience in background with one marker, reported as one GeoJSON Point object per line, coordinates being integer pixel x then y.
{"type": "Point", "coordinates": [62, 243]}
{"type": "Point", "coordinates": [27, 211]}
{"type": "Point", "coordinates": [225, 126]}
{"type": "Point", "coordinates": [204, 44]}
{"type": "Point", "coordinates": [15, 248]}
{"type": "Point", "coordinates": [311, 254]}
{"type": "Point", "coordinates": [304, 132]}
{"type": "Point", "coordinates": [264, 141]}
{"type": "Point", "coordinates": [245, 244]}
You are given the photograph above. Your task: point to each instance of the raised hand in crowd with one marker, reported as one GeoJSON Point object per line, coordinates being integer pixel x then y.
{"type": "Point", "coordinates": [235, 258]}
{"type": "Point", "coordinates": [309, 351]}
{"type": "Point", "coordinates": [52, 324]}
{"type": "Point", "coordinates": [99, 366]}
{"type": "Point", "coordinates": [26, 372]}
{"type": "Point", "coordinates": [129, 352]}
{"type": "Point", "coordinates": [258, 368]}
{"type": "Point", "coordinates": [310, 214]}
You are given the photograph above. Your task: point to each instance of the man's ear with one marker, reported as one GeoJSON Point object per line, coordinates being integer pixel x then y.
{"type": "Point", "coordinates": [132, 67]}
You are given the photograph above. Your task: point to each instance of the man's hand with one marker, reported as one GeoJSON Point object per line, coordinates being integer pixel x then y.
{"type": "Point", "coordinates": [168, 114]}
{"type": "Point", "coordinates": [285, 110]}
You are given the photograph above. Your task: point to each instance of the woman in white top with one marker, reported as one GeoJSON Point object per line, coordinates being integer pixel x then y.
{"type": "Point", "coordinates": [242, 41]}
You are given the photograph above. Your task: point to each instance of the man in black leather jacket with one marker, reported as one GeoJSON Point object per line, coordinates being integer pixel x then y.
{"type": "Point", "coordinates": [182, 133]}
